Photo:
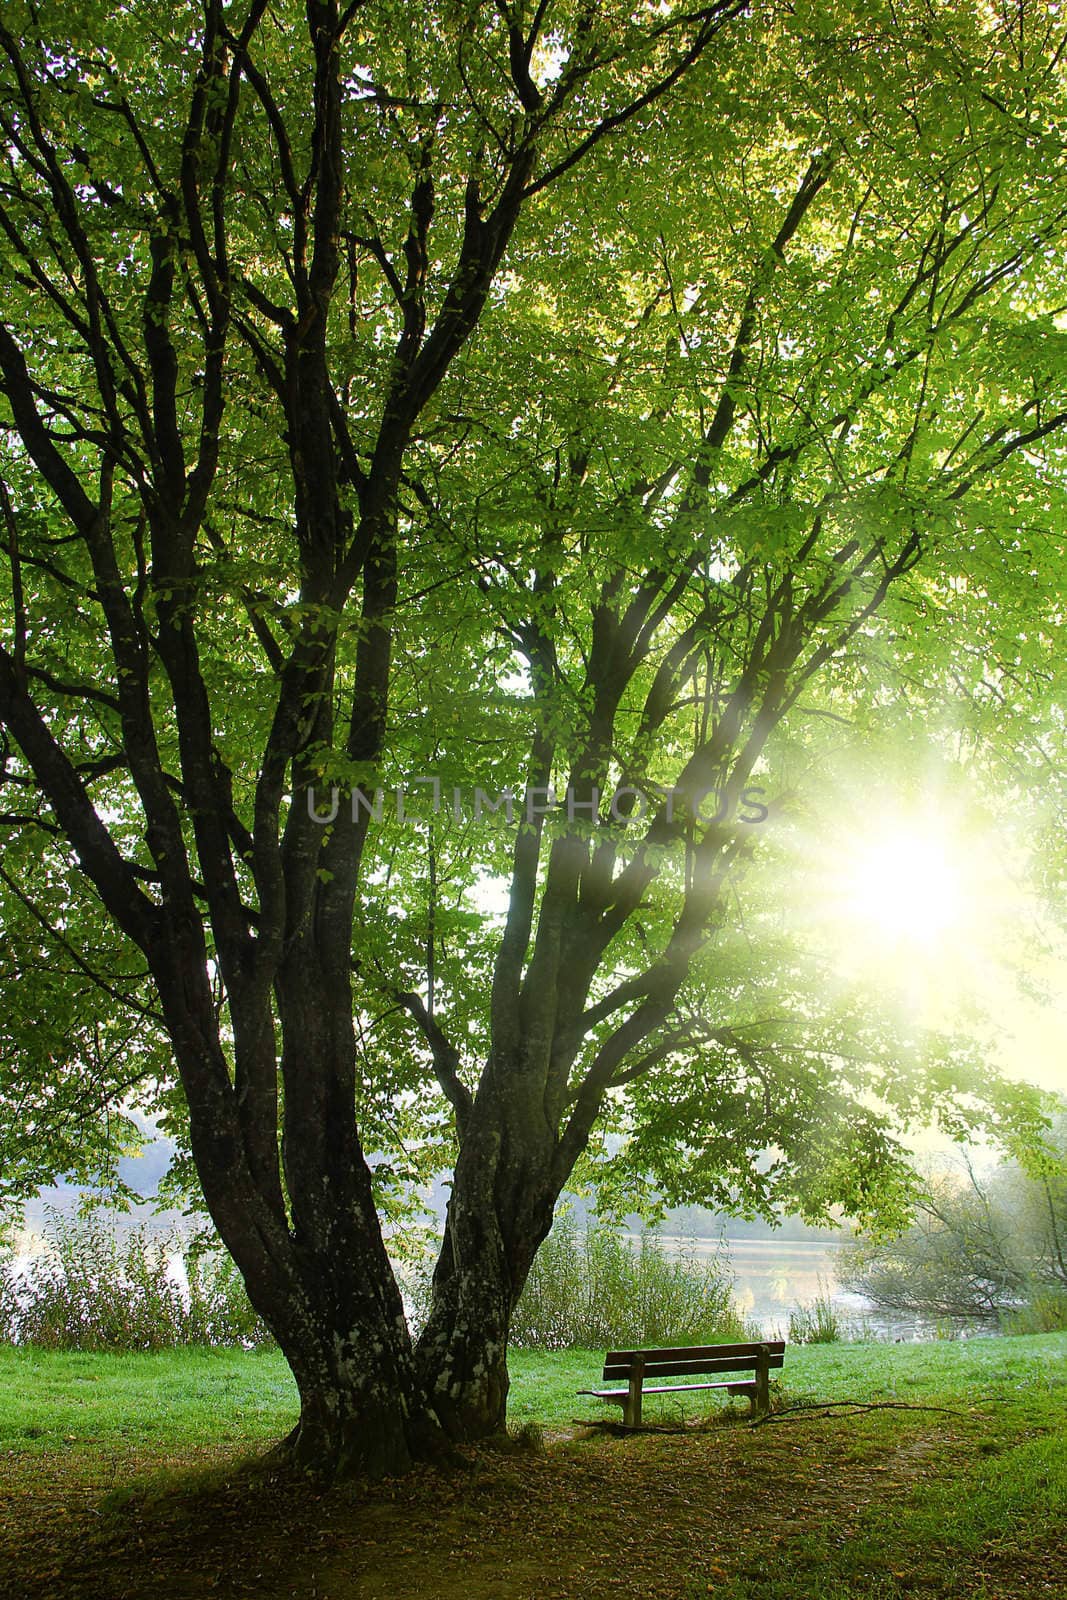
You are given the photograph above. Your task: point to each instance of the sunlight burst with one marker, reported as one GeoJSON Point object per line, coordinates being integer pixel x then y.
{"type": "Point", "coordinates": [907, 886]}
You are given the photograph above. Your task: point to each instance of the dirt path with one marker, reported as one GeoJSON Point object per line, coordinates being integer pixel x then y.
{"type": "Point", "coordinates": [656, 1516]}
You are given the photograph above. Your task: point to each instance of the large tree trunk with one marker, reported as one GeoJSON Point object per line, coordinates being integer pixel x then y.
{"type": "Point", "coordinates": [338, 1317]}
{"type": "Point", "coordinates": [501, 1207]}
{"type": "Point", "coordinates": [314, 1264]}
{"type": "Point", "coordinates": [462, 1354]}
{"type": "Point", "coordinates": [360, 1410]}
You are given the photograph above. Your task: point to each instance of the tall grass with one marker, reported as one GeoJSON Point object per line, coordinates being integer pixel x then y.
{"type": "Point", "coordinates": [1044, 1312]}
{"type": "Point", "coordinates": [592, 1288]}
{"type": "Point", "coordinates": [92, 1288]}
{"type": "Point", "coordinates": [816, 1320]}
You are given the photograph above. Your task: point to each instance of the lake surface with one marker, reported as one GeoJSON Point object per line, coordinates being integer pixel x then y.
{"type": "Point", "coordinates": [773, 1277]}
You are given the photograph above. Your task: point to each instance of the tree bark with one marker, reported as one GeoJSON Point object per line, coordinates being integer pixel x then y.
{"type": "Point", "coordinates": [504, 1192]}
{"type": "Point", "coordinates": [315, 1264]}
{"type": "Point", "coordinates": [360, 1411]}
{"type": "Point", "coordinates": [334, 1307]}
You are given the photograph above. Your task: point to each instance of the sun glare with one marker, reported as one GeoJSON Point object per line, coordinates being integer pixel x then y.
{"type": "Point", "coordinates": [907, 886]}
{"type": "Point", "coordinates": [936, 909]}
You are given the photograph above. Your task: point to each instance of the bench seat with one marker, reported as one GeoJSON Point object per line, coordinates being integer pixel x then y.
{"type": "Point", "coordinates": [758, 1357]}
{"type": "Point", "coordinates": [747, 1386]}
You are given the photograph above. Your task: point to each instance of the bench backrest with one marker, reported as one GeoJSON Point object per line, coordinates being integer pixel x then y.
{"type": "Point", "coordinates": [687, 1359]}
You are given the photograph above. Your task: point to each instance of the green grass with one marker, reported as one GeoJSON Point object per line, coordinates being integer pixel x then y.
{"type": "Point", "coordinates": [973, 1529]}
{"type": "Point", "coordinates": [62, 1400]}
{"type": "Point", "coordinates": [993, 1494]}
{"type": "Point", "coordinates": [969, 1501]}
{"type": "Point", "coordinates": [987, 1516]}
{"type": "Point", "coordinates": [543, 1386]}
{"type": "Point", "coordinates": [167, 1401]}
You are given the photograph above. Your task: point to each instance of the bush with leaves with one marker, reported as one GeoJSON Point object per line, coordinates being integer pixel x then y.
{"type": "Point", "coordinates": [592, 1288]}
{"type": "Point", "coordinates": [94, 1287]}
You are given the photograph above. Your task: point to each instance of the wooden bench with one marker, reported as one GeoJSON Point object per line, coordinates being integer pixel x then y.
{"type": "Point", "coordinates": [634, 1366]}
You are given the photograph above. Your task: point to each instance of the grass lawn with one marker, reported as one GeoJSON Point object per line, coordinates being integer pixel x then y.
{"type": "Point", "coordinates": [120, 1477]}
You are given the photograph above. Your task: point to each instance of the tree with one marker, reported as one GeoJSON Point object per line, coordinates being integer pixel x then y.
{"type": "Point", "coordinates": [976, 1247]}
{"type": "Point", "coordinates": [568, 399]}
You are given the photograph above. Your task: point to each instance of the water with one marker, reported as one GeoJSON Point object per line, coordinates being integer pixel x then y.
{"type": "Point", "coordinates": [773, 1277]}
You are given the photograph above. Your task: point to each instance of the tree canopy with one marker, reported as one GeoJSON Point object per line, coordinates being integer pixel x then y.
{"type": "Point", "coordinates": [476, 452]}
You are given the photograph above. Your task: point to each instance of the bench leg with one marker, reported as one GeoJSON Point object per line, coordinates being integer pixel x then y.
{"type": "Point", "coordinates": [761, 1400]}
{"type": "Point", "coordinates": [631, 1411]}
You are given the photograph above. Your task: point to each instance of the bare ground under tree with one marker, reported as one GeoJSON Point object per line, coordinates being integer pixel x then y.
{"type": "Point", "coordinates": [704, 1510]}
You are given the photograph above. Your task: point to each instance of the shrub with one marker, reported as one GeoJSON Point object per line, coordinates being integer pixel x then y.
{"type": "Point", "coordinates": [94, 1288]}
{"type": "Point", "coordinates": [593, 1288]}
{"type": "Point", "coordinates": [957, 1260]}
{"type": "Point", "coordinates": [816, 1322]}
{"type": "Point", "coordinates": [9, 1298]}
{"type": "Point", "coordinates": [1044, 1313]}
